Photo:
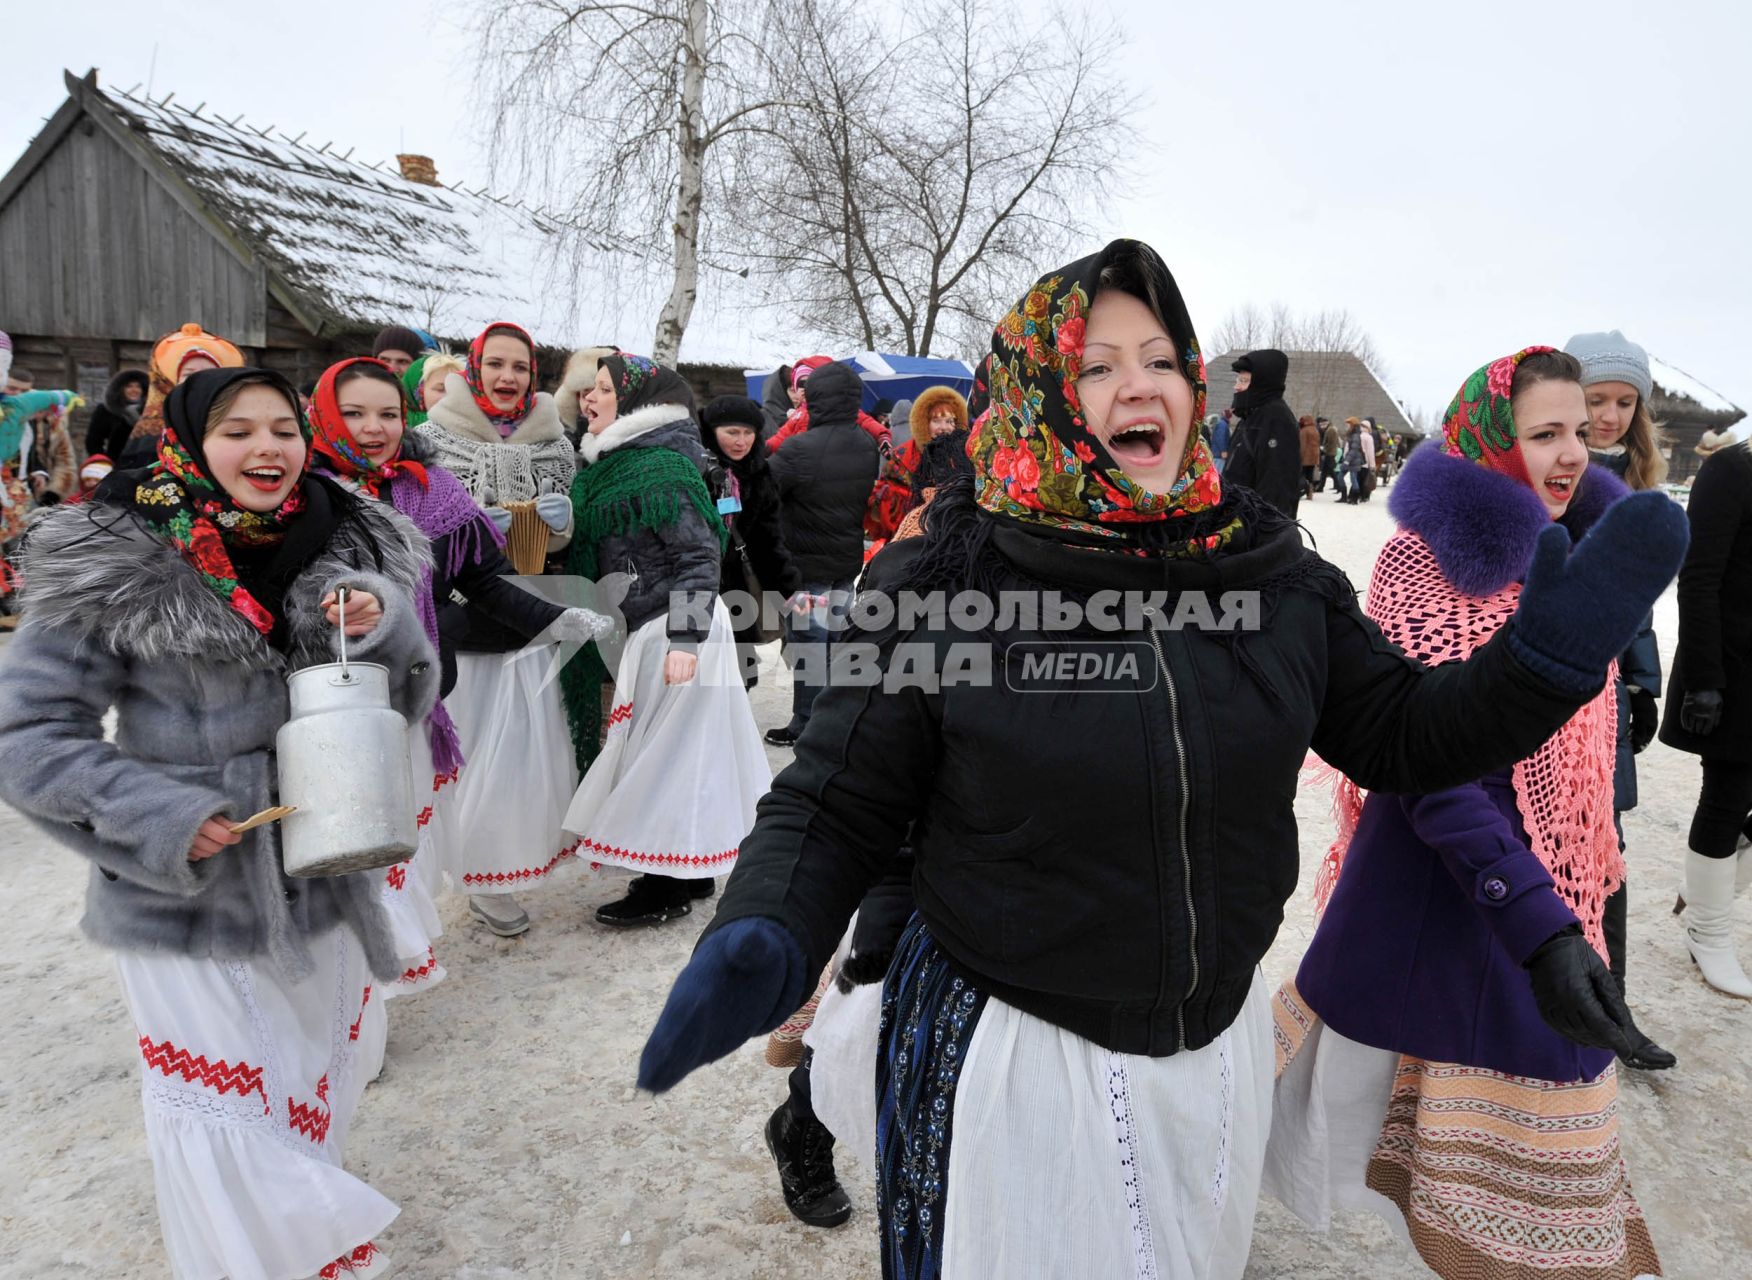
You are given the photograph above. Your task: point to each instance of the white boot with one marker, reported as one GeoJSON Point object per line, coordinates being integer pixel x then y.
{"type": "Point", "coordinates": [1709, 931]}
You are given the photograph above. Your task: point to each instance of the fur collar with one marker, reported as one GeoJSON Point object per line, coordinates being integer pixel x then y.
{"type": "Point", "coordinates": [98, 570]}
{"type": "Point", "coordinates": [1481, 526]}
{"type": "Point", "coordinates": [624, 430]}
{"type": "Point", "coordinates": [458, 414]}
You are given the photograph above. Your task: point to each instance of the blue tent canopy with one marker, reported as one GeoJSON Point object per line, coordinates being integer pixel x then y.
{"type": "Point", "coordinates": [890, 377]}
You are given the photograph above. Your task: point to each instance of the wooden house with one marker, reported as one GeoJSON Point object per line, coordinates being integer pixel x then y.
{"type": "Point", "coordinates": [126, 218]}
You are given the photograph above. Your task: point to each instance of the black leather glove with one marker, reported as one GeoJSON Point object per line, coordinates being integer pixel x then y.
{"type": "Point", "coordinates": [1645, 718]}
{"type": "Point", "coordinates": [1701, 711]}
{"type": "Point", "coordinates": [1577, 995]}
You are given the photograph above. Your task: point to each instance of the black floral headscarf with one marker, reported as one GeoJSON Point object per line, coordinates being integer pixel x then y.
{"type": "Point", "coordinates": [1034, 456]}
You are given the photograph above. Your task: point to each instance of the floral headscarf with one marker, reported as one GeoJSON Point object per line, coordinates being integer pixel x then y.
{"type": "Point", "coordinates": [639, 383]}
{"type": "Point", "coordinates": [333, 439]}
{"type": "Point", "coordinates": [501, 418]}
{"type": "Point", "coordinates": [182, 502]}
{"type": "Point", "coordinates": [1480, 422]}
{"type": "Point", "coordinates": [1034, 456]}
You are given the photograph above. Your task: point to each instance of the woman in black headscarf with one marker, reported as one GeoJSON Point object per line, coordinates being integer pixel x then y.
{"type": "Point", "coordinates": [182, 595]}
{"type": "Point", "coordinates": [1102, 820]}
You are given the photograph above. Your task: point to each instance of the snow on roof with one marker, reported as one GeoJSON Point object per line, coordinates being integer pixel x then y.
{"type": "Point", "coordinates": [361, 246]}
{"type": "Point", "coordinates": [1676, 382]}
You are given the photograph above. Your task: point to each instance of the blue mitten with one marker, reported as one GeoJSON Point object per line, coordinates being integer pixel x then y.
{"type": "Point", "coordinates": [746, 978]}
{"type": "Point", "coordinates": [1580, 609]}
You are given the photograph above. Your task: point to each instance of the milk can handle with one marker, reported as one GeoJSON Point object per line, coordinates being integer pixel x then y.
{"type": "Point", "coordinates": [341, 600]}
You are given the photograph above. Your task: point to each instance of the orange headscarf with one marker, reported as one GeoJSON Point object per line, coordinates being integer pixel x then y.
{"type": "Point", "coordinates": [171, 352]}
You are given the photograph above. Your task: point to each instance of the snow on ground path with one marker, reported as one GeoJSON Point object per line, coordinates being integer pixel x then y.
{"type": "Point", "coordinates": [507, 1127]}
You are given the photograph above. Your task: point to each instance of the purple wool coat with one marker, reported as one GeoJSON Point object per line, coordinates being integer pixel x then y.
{"type": "Point", "coordinates": [1440, 901]}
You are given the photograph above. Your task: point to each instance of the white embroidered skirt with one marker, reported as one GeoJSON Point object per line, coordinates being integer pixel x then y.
{"type": "Point", "coordinates": [249, 1083]}
{"type": "Point", "coordinates": [675, 787]}
{"type": "Point", "coordinates": [500, 824]}
{"type": "Point", "coordinates": [1072, 1160]}
{"type": "Point", "coordinates": [410, 888]}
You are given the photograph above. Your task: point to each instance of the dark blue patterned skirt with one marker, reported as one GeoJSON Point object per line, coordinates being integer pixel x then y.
{"type": "Point", "coordinates": [928, 1017]}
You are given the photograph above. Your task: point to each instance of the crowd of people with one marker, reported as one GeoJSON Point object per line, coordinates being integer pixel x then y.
{"type": "Point", "coordinates": [981, 919]}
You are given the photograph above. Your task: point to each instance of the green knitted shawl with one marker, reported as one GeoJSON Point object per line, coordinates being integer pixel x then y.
{"type": "Point", "coordinates": [630, 488]}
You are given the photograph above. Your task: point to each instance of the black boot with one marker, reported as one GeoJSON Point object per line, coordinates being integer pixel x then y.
{"type": "Point", "coordinates": [803, 1152]}
{"type": "Point", "coordinates": [649, 900]}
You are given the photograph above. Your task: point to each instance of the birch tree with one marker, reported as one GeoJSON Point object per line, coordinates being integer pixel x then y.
{"type": "Point", "coordinates": [622, 113]}
{"type": "Point", "coordinates": [935, 157]}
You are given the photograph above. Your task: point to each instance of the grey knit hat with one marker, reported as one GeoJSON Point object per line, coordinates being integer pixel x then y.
{"type": "Point", "coordinates": [1612, 357]}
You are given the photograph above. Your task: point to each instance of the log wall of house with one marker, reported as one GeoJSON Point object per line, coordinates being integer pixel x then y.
{"type": "Point", "coordinates": [95, 246]}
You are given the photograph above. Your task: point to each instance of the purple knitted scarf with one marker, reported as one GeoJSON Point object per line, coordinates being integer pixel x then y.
{"type": "Point", "coordinates": [439, 508]}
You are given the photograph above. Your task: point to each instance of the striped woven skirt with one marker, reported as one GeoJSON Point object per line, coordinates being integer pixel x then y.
{"type": "Point", "coordinates": [1488, 1176]}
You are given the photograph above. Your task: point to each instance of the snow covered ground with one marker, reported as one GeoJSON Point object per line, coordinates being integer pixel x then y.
{"type": "Point", "coordinates": [507, 1127]}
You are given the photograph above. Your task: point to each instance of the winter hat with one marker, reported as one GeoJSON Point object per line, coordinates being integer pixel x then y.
{"type": "Point", "coordinates": [398, 337]}
{"type": "Point", "coordinates": [731, 411]}
{"type": "Point", "coordinates": [165, 369]}
{"type": "Point", "coordinates": [1480, 422]}
{"type": "Point", "coordinates": [1710, 441]}
{"type": "Point", "coordinates": [1271, 372]}
{"type": "Point", "coordinates": [1612, 357]}
{"type": "Point", "coordinates": [900, 414]}
{"type": "Point", "coordinates": [803, 368]}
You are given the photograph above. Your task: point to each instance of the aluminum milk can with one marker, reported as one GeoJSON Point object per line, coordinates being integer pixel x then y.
{"type": "Point", "coordinates": [343, 764]}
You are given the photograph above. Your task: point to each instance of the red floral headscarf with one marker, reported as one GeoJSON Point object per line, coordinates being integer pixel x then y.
{"type": "Point", "coordinates": [1035, 458]}
{"type": "Point", "coordinates": [1480, 422]}
{"type": "Point", "coordinates": [333, 439]}
{"type": "Point", "coordinates": [472, 374]}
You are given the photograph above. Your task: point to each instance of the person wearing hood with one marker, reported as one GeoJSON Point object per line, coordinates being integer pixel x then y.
{"type": "Point", "coordinates": [1310, 435]}
{"type": "Point", "coordinates": [1044, 999]}
{"type": "Point", "coordinates": [1422, 1016]}
{"type": "Point", "coordinates": [776, 401]}
{"type": "Point", "coordinates": [175, 356]}
{"type": "Point", "coordinates": [360, 438]}
{"type": "Point", "coordinates": [503, 440]}
{"type": "Point", "coordinates": [181, 596]}
{"type": "Point", "coordinates": [1624, 439]}
{"type": "Point", "coordinates": [672, 791]}
{"type": "Point", "coordinates": [1265, 453]}
{"type": "Point", "coordinates": [938, 412]}
{"type": "Point", "coordinates": [825, 476]}
{"type": "Point", "coordinates": [53, 467]}
{"type": "Point", "coordinates": [113, 417]}
{"type": "Point", "coordinates": [756, 561]}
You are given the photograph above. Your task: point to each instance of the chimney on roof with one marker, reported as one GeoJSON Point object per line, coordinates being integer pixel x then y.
{"type": "Point", "coordinates": [418, 169]}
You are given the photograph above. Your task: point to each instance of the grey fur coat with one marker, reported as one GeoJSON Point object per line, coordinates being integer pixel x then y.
{"type": "Point", "coordinates": [113, 616]}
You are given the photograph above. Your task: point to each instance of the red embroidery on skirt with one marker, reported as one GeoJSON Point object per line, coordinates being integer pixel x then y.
{"type": "Point", "coordinates": [516, 877]}
{"type": "Point", "coordinates": [360, 1258]}
{"type": "Point", "coordinates": [620, 713]}
{"type": "Point", "coordinates": [660, 859]}
{"type": "Point", "coordinates": [424, 816]}
{"type": "Point", "coordinates": [425, 970]}
{"type": "Point", "coordinates": [398, 874]}
{"type": "Point", "coordinates": [311, 1121]}
{"type": "Point", "coordinates": [353, 1033]}
{"type": "Point", "coordinates": [220, 1076]}
{"type": "Point", "coordinates": [442, 780]}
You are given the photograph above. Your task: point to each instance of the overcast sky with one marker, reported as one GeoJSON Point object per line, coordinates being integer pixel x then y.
{"type": "Point", "coordinates": [1466, 178]}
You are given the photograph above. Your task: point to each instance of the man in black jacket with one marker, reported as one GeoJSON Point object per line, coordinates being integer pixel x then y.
{"type": "Point", "coordinates": [824, 478]}
{"type": "Point", "coordinates": [1265, 454]}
